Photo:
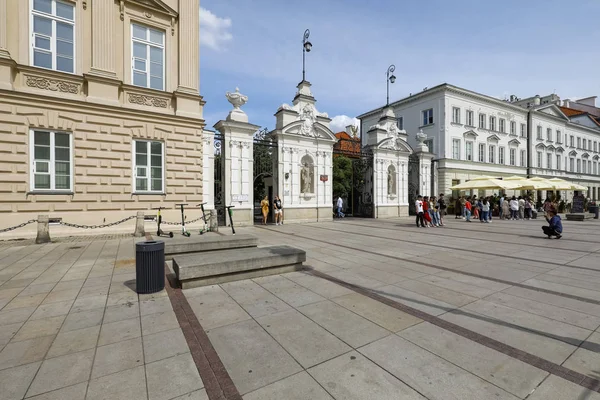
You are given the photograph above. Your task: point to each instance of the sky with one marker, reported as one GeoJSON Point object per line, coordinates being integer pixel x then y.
{"type": "Point", "coordinates": [497, 48]}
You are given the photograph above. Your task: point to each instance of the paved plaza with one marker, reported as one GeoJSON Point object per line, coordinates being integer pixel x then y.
{"type": "Point", "coordinates": [384, 310]}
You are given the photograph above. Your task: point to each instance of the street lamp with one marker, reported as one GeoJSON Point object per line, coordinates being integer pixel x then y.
{"type": "Point", "coordinates": [306, 46]}
{"type": "Point", "coordinates": [390, 78]}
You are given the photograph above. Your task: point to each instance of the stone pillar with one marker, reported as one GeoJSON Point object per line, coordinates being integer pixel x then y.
{"type": "Point", "coordinates": [3, 31]}
{"type": "Point", "coordinates": [103, 84]}
{"type": "Point", "coordinates": [424, 164]}
{"type": "Point", "coordinates": [213, 221]}
{"type": "Point", "coordinates": [237, 153]}
{"type": "Point", "coordinates": [6, 62]}
{"type": "Point", "coordinates": [43, 230]}
{"type": "Point", "coordinates": [208, 169]}
{"type": "Point", "coordinates": [189, 57]}
{"type": "Point", "coordinates": [139, 225]}
{"type": "Point", "coordinates": [103, 49]}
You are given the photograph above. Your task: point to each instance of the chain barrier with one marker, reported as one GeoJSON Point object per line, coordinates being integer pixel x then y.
{"type": "Point", "coordinates": [179, 223]}
{"type": "Point", "coordinates": [12, 228]}
{"type": "Point", "coordinates": [96, 226]}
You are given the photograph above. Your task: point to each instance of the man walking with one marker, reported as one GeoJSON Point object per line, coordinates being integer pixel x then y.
{"type": "Point", "coordinates": [340, 205]}
{"type": "Point", "coordinates": [419, 211]}
{"type": "Point", "coordinates": [443, 207]}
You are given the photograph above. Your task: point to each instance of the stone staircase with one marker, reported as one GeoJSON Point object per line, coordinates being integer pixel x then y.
{"type": "Point", "coordinates": [211, 259]}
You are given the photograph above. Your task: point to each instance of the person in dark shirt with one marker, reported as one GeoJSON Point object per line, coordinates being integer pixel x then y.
{"type": "Point", "coordinates": [278, 211]}
{"type": "Point", "coordinates": [554, 227]}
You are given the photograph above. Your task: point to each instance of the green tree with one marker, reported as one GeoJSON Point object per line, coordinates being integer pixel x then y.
{"type": "Point", "coordinates": [342, 176]}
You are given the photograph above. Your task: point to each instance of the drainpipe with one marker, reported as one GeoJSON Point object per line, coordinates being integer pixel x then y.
{"type": "Point", "coordinates": [528, 151]}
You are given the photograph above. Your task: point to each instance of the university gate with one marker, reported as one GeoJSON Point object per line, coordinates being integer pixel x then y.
{"type": "Point", "coordinates": [264, 164]}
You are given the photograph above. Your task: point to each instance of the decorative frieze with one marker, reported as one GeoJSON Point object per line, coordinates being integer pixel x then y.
{"type": "Point", "coordinates": [53, 85]}
{"type": "Point", "coordinates": [145, 100]}
{"type": "Point", "coordinates": [239, 144]}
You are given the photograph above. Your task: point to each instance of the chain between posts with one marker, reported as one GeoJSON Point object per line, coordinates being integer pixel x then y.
{"type": "Point", "coordinates": [12, 228]}
{"type": "Point", "coordinates": [179, 223]}
{"type": "Point", "coordinates": [96, 226]}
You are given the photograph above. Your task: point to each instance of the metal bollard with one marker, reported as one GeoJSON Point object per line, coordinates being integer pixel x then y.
{"type": "Point", "coordinates": [139, 225]}
{"type": "Point", "coordinates": [43, 230]}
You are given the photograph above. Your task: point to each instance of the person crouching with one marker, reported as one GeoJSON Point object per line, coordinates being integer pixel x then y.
{"type": "Point", "coordinates": [554, 227]}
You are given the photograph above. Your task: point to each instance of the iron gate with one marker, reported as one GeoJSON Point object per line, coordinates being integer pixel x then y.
{"type": "Point", "coordinates": [218, 179]}
{"type": "Point", "coordinates": [265, 161]}
{"type": "Point", "coordinates": [353, 178]}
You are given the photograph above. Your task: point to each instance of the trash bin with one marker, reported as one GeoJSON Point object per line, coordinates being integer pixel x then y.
{"type": "Point", "coordinates": [150, 266]}
{"type": "Point", "coordinates": [594, 210]}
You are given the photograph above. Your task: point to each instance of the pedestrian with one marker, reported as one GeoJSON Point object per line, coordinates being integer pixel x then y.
{"type": "Point", "coordinates": [521, 207]}
{"type": "Point", "coordinates": [480, 209]}
{"type": "Point", "coordinates": [278, 211]}
{"type": "Point", "coordinates": [554, 227]}
{"type": "Point", "coordinates": [340, 206]}
{"type": "Point", "coordinates": [419, 211]}
{"type": "Point", "coordinates": [514, 208]}
{"type": "Point", "coordinates": [458, 208]}
{"type": "Point", "coordinates": [485, 208]}
{"type": "Point", "coordinates": [528, 213]}
{"type": "Point", "coordinates": [264, 205]}
{"type": "Point", "coordinates": [435, 211]}
{"type": "Point", "coordinates": [426, 214]}
{"type": "Point", "coordinates": [442, 208]}
{"type": "Point", "coordinates": [500, 208]}
{"type": "Point", "coordinates": [468, 207]}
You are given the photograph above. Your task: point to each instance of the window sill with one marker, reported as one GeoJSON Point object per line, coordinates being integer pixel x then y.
{"type": "Point", "coordinates": [50, 192]}
{"type": "Point", "coordinates": [148, 194]}
{"type": "Point", "coordinates": [427, 126]}
{"type": "Point", "coordinates": [456, 123]}
{"type": "Point", "coordinates": [470, 126]}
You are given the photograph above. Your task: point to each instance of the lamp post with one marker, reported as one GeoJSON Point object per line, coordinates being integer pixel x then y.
{"type": "Point", "coordinates": [306, 46]}
{"type": "Point", "coordinates": [390, 78]}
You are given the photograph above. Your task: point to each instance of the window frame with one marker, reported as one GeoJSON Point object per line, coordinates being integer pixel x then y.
{"type": "Point", "coordinates": [424, 113]}
{"type": "Point", "coordinates": [523, 158]}
{"type": "Point", "coordinates": [578, 165]}
{"type": "Point", "coordinates": [558, 161]}
{"type": "Point", "coordinates": [549, 134]}
{"type": "Point", "coordinates": [502, 155]}
{"type": "Point", "coordinates": [539, 133]}
{"type": "Point", "coordinates": [53, 39]}
{"type": "Point", "coordinates": [492, 123]}
{"type": "Point", "coordinates": [148, 167]}
{"type": "Point", "coordinates": [492, 154]}
{"type": "Point", "coordinates": [469, 150]}
{"type": "Point", "coordinates": [512, 157]}
{"type": "Point", "coordinates": [148, 45]}
{"type": "Point", "coordinates": [456, 115]}
{"type": "Point", "coordinates": [549, 160]}
{"type": "Point", "coordinates": [558, 136]}
{"type": "Point", "coordinates": [456, 149]}
{"type": "Point", "coordinates": [51, 163]}
{"type": "Point", "coordinates": [513, 127]}
{"type": "Point", "coordinates": [400, 122]}
{"type": "Point", "coordinates": [482, 121]}
{"type": "Point", "coordinates": [469, 117]}
{"type": "Point", "coordinates": [482, 153]}
{"type": "Point", "coordinates": [539, 160]}
{"type": "Point", "coordinates": [523, 130]}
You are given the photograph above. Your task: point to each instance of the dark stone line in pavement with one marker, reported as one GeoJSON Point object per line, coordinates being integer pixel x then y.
{"type": "Point", "coordinates": [528, 358]}
{"type": "Point", "coordinates": [414, 261]}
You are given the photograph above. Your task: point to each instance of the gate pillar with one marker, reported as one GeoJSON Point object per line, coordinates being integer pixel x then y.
{"type": "Point", "coordinates": [303, 177]}
{"type": "Point", "coordinates": [238, 159]}
{"type": "Point", "coordinates": [424, 171]}
{"type": "Point", "coordinates": [208, 170]}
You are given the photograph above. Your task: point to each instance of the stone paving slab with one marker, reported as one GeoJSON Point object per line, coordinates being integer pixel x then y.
{"type": "Point", "coordinates": [72, 327]}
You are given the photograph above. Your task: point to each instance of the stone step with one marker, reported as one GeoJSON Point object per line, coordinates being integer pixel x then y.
{"type": "Point", "coordinates": [206, 242]}
{"type": "Point", "coordinates": [213, 267]}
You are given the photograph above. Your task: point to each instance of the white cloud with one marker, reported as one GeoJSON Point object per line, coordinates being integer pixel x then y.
{"type": "Point", "coordinates": [340, 122]}
{"type": "Point", "coordinates": [214, 30]}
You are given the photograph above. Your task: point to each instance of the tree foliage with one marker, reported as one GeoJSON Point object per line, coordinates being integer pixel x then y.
{"type": "Point", "coordinates": [342, 176]}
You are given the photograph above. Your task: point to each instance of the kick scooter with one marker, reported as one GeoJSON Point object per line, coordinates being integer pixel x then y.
{"type": "Point", "coordinates": [230, 212]}
{"type": "Point", "coordinates": [159, 232]}
{"type": "Point", "coordinates": [206, 227]}
{"type": "Point", "coordinates": [184, 231]}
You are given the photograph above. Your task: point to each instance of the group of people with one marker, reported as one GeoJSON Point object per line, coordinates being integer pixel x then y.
{"type": "Point", "coordinates": [277, 209]}
{"type": "Point", "coordinates": [430, 211]}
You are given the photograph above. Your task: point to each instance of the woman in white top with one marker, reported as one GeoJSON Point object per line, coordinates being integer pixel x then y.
{"type": "Point", "coordinates": [486, 211]}
{"type": "Point", "coordinates": [514, 208]}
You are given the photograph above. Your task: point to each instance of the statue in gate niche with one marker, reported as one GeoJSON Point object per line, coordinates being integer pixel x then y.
{"type": "Point", "coordinates": [306, 179]}
{"type": "Point", "coordinates": [391, 188]}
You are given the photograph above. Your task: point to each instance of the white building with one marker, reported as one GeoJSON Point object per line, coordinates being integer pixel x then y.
{"type": "Point", "coordinates": [472, 135]}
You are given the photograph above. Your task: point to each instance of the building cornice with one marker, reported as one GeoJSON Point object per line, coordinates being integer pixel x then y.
{"type": "Point", "coordinates": [67, 104]}
{"type": "Point", "coordinates": [449, 89]}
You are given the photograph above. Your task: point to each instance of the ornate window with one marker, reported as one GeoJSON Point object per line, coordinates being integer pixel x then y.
{"type": "Point", "coordinates": [148, 57]}
{"type": "Point", "coordinates": [52, 35]}
{"type": "Point", "coordinates": [148, 167]}
{"type": "Point", "coordinates": [513, 156]}
{"type": "Point", "coordinates": [492, 123]}
{"type": "Point", "coordinates": [456, 149]}
{"type": "Point", "coordinates": [502, 125]}
{"type": "Point", "coordinates": [481, 152]}
{"type": "Point", "coordinates": [470, 118]}
{"type": "Point", "coordinates": [501, 151]}
{"type": "Point", "coordinates": [513, 128]}
{"type": "Point", "coordinates": [52, 161]}
{"type": "Point", "coordinates": [469, 150]}
{"type": "Point", "coordinates": [482, 121]}
{"type": "Point", "coordinates": [456, 115]}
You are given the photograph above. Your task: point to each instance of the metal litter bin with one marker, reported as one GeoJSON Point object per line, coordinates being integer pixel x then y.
{"type": "Point", "coordinates": [594, 210]}
{"type": "Point", "coordinates": [150, 266]}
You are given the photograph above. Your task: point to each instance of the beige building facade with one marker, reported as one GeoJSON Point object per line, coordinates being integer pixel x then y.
{"type": "Point", "coordinates": [100, 110]}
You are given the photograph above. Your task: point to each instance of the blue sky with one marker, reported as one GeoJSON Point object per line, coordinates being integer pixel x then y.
{"type": "Point", "coordinates": [493, 47]}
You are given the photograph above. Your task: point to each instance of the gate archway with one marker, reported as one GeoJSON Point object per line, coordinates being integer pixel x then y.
{"type": "Point", "coordinates": [264, 164]}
